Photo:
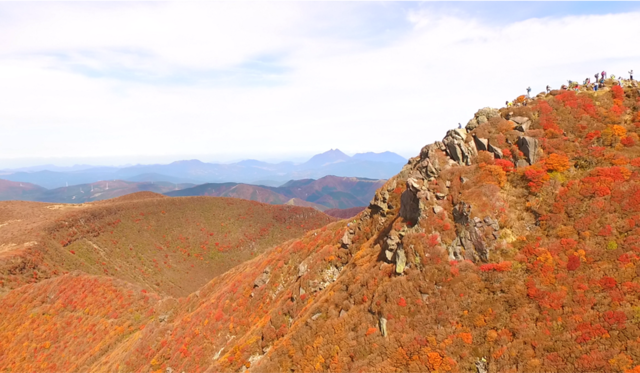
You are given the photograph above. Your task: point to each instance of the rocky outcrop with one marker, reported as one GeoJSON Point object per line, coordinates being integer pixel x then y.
{"type": "Point", "coordinates": [484, 145]}
{"type": "Point", "coordinates": [263, 279]}
{"type": "Point", "coordinates": [345, 242]}
{"type": "Point", "coordinates": [529, 147]}
{"type": "Point", "coordinates": [429, 166]}
{"type": "Point", "coordinates": [410, 202]}
{"type": "Point", "coordinates": [457, 148]}
{"type": "Point", "coordinates": [393, 240]}
{"type": "Point", "coordinates": [380, 201]}
{"type": "Point", "coordinates": [469, 242]}
{"type": "Point", "coordinates": [481, 117]}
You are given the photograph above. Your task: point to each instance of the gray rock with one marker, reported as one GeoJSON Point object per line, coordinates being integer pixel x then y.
{"type": "Point", "coordinates": [303, 268]}
{"type": "Point", "coordinates": [388, 254]}
{"type": "Point", "coordinates": [481, 366]}
{"type": "Point", "coordinates": [488, 112]}
{"type": "Point", "coordinates": [455, 250]}
{"type": "Point", "coordinates": [441, 196]}
{"type": "Point", "coordinates": [380, 200]}
{"type": "Point", "coordinates": [461, 213]}
{"type": "Point", "coordinates": [497, 153]}
{"type": "Point", "coordinates": [521, 163]}
{"type": "Point", "coordinates": [302, 292]}
{"type": "Point", "coordinates": [522, 123]}
{"type": "Point", "coordinates": [471, 125]}
{"type": "Point", "coordinates": [478, 222]}
{"type": "Point", "coordinates": [481, 144]}
{"type": "Point", "coordinates": [456, 147]}
{"type": "Point", "coordinates": [409, 205]}
{"type": "Point", "coordinates": [316, 316]}
{"type": "Point", "coordinates": [343, 313]}
{"type": "Point", "coordinates": [163, 318]}
{"type": "Point", "coordinates": [346, 240]}
{"type": "Point", "coordinates": [437, 209]}
{"type": "Point", "coordinates": [263, 279]}
{"type": "Point", "coordinates": [529, 147]}
{"type": "Point", "coordinates": [482, 119]}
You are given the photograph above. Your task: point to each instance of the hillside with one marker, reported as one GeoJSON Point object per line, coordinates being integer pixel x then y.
{"type": "Point", "coordinates": [168, 245]}
{"type": "Point", "coordinates": [344, 213]}
{"type": "Point", "coordinates": [11, 190]}
{"type": "Point", "coordinates": [510, 246]}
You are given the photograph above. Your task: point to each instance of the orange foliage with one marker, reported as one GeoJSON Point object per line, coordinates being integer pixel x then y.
{"type": "Point", "coordinates": [557, 162]}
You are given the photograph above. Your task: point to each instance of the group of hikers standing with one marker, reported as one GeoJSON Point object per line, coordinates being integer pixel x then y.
{"type": "Point", "coordinates": [599, 82]}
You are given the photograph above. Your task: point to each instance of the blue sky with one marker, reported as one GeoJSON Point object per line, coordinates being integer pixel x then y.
{"type": "Point", "coordinates": [115, 83]}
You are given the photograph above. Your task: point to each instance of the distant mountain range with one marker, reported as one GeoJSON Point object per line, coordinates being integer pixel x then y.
{"type": "Point", "coordinates": [329, 192]}
{"type": "Point", "coordinates": [101, 190]}
{"type": "Point", "coordinates": [332, 162]}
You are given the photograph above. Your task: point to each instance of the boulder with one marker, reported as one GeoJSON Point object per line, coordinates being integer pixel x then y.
{"type": "Point", "coordinates": [529, 147]}
{"type": "Point", "coordinates": [380, 200]}
{"type": "Point", "coordinates": [522, 123]}
{"type": "Point", "coordinates": [456, 147]}
{"type": "Point", "coordinates": [303, 268]}
{"type": "Point", "coordinates": [392, 244]}
{"type": "Point", "coordinates": [437, 209]}
{"type": "Point", "coordinates": [482, 119]}
{"type": "Point", "coordinates": [383, 326]}
{"type": "Point", "coordinates": [263, 279]}
{"type": "Point", "coordinates": [345, 242]}
{"type": "Point", "coordinates": [497, 153]}
{"type": "Point", "coordinates": [410, 204]}
{"type": "Point", "coordinates": [481, 144]}
{"type": "Point", "coordinates": [488, 112]}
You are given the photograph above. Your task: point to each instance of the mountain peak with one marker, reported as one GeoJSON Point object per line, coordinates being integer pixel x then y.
{"type": "Point", "coordinates": [327, 158]}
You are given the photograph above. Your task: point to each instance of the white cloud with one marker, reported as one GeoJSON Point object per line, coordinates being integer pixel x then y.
{"type": "Point", "coordinates": [81, 80]}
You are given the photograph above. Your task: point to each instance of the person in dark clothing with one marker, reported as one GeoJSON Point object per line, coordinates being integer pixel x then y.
{"type": "Point", "coordinates": [597, 75]}
{"type": "Point", "coordinates": [528, 91]}
{"type": "Point", "coordinates": [548, 89]}
{"type": "Point", "coordinates": [631, 75]}
{"type": "Point", "coordinates": [459, 125]}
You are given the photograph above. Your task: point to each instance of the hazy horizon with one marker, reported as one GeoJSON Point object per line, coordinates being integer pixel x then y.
{"type": "Point", "coordinates": [126, 161]}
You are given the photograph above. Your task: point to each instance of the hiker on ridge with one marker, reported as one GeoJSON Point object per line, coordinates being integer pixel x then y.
{"type": "Point", "coordinates": [529, 92]}
{"type": "Point", "coordinates": [604, 74]}
{"type": "Point", "coordinates": [548, 88]}
{"type": "Point", "coordinates": [597, 75]}
{"type": "Point", "coordinates": [631, 75]}
{"type": "Point", "coordinates": [459, 125]}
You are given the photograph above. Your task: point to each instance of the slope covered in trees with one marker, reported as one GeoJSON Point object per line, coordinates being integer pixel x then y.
{"type": "Point", "coordinates": [512, 245]}
{"type": "Point", "coordinates": [169, 245]}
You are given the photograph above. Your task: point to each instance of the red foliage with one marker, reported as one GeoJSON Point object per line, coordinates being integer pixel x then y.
{"type": "Point", "coordinates": [507, 166]}
{"type": "Point", "coordinates": [497, 267]}
{"type": "Point", "coordinates": [573, 263]}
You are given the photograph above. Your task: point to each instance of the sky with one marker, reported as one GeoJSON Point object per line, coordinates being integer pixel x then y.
{"type": "Point", "coordinates": [155, 82]}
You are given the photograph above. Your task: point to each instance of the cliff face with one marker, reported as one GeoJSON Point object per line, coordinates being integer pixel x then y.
{"type": "Point", "coordinates": [512, 245]}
